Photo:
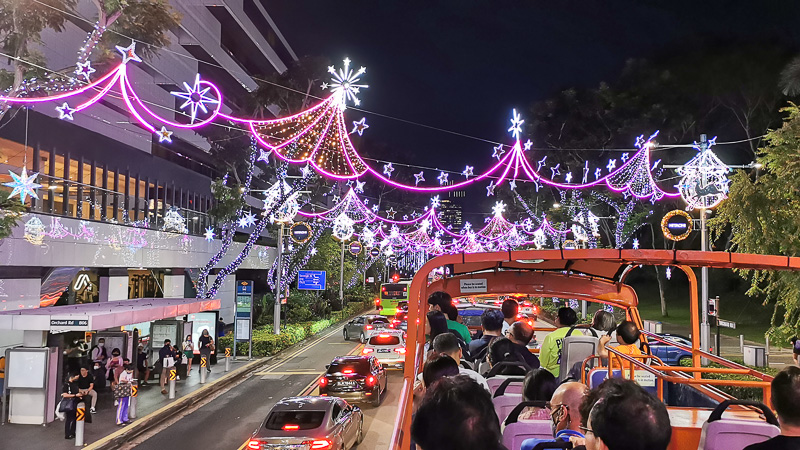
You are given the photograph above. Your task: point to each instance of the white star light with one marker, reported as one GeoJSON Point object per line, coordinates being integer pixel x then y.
{"type": "Point", "coordinates": [23, 185]}
{"type": "Point", "coordinates": [390, 213]}
{"type": "Point", "coordinates": [345, 83]}
{"type": "Point", "coordinates": [248, 220]}
{"type": "Point", "coordinates": [490, 188]}
{"type": "Point", "coordinates": [306, 171]}
{"type": "Point", "coordinates": [541, 163]}
{"type": "Point", "coordinates": [263, 155]}
{"type": "Point", "coordinates": [669, 273]}
{"type": "Point", "coordinates": [313, 251]}
{"type": "Point", "coordinates": [498, 151]}
{"type": "Point", "coordinates": [359, 126]}
{"type": "Point", "coordinates": [418, 178]}
{"type": "Point", "coordinates": [388, 169]}
{"type": "Point", "coordinates": [612, 163]}
{"type": "Point", "coordinates": [512, 184]}
{"type": "Point", "coordinates": [516, 124]}
{"type": "Point", "coordinates": [129, 53]}
{"type": "Point", "coordinates": [624, 157]}
{"type": "Point", "coordinates": [65, 112]}
{"type": "Point", "coordinates": [336, 199]}
{"type": "Point", "coordinates": [85, 70]}
{"type": "Point", "coordinates": [209, 234]}
{"type": "Point", "coordinates": [442, 178]}
{"type": "Point", "coordinates": [554, 171]}
{"type": "Point", "coordinates": [635, 244]}
{"type": "Point", "coordinates": [499, 208]}
{"type": "Point", "coordinates": [568, 177]}
{"type": "Point", "coordinates": [360, 186]}
{"type": "Point", "coordinates": [597, 173]}
{"type": "Point", "coordinates": [468, 171]}
{"type": "Point", "coordinates": [527, 145]}
{"type": "Point", "coordinates": [196, 97]}
{"type": "Point", "coordinates": [435, 202]}
{"type": "Point", "coordinates": [164, 135]}
{"type": "Point", "coordinates": [655, 164]}
{"type": "Point", "coordinates": [375, 207]}
{"type": "Point", "coordinates": [585, 172]}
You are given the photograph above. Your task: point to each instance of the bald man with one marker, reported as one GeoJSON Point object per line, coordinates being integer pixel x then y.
{"type": "Point", "coordinates": [565, 414]}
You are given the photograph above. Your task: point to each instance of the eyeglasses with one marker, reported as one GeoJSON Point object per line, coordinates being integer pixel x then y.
{"type": "Point", "coordinates": [586, 430]}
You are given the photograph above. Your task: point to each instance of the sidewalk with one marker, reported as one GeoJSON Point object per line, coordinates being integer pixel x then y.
{"type": "Point", "coordinates": [149, 400]}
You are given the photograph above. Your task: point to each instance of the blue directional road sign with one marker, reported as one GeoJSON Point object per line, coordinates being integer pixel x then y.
{"type": "Point", "coordinates": [312, 280]}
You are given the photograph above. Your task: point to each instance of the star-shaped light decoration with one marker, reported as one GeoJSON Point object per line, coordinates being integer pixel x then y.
{"type": "Point", "coordinates": [585, 173]}
{"type": "Point", "coordinates": [388, 168]}
{"type": "Point", "coordinates": [313, 251]}
{"type": "Point", "coordinates": [23, 185]}
{"type": "Point", "coordinates": [568, 177]}
{"type": "Point", "coordinates": [345, 83]}
{"type": "Point", "coordinates": [612, 163]}
{"type": "Point", "coordinates": [164, 135]}
{"type": "Point", "coordinates": [306, 171]}
{"type": "Point", "coordinates": [197, 97]}
{"type": "Point", "coordinates": [209, 234]}
{"type": "Point", "coordinates": [336, 199]}
{"type": "Point", "coordinates": [655, 164]}
{"type": "Point", "coordinates": [248, 220]}
{"type": "Point", "coordinates": [490, 188]}
{"type": "Point", "coordinates": [624, 157]}
{"type": "Point", "coordinates": [516, 124]}
{"type": "Point", "coordinates": [468, 171]}
{"type": "Point", "coordinates": [359, 186]}
{"type": "Point", "coordinates": [635, 244]}
{"type": "Point", "coordinates": [375, 207]}
{"type": "Point", "coordinates": [418, 178]}
{"type": "Point", "coordinates": [442, 178]}
{"type": "Point", "coordinates": [512, 185]}
{"type": "Point", "coordinates": [366, 201]}
{"type": "Point", "coordinates": [390, 213]}
{"type": "Point", "coordinates": [597, 173]}
{"type": "Point", "coordinates": [85, 70]}
{"type": "Point", "coordinates": [435, 202]}
{"type": "Point", "coordinates": [541, 164]}
{"type": "Point", "coordinates": [65, 112]}
{"type": "Point", "coordinates": [129, 53]}
{"type": "Point", "coordinates": [668, 273]}
{"type": "Point", "coordinates": [554, 171]}
{"type": "Point", "coordinates": [359, 126]}
{"type": "Point", "coordinates": [498, 151]}
{"type": "Point", "coordinates": [263, 155]}
{"type": "Point", "coordinates": [527, 145]}
{"type": "Point", "coordinates": [405, 217]}
{"type": "Point", "coordinates": [499, 208]}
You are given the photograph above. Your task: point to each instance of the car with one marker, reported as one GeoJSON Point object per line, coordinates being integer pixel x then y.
{"type": "Point", "coordinates": [400, 321]}
{"type": "Point", "coordinates": [669, 354]}
{"type": "Point", "coordinates": [318, 423]}
{"type": "Point", "coordinates": [355, 379]}
{"type": "Point", "coordinates": [388, 346]}
{"type": "Point", "coordinates": [361, 326]}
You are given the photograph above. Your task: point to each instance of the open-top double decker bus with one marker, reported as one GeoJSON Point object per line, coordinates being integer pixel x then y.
{"type": "Point", "coordinates": [598, 275]}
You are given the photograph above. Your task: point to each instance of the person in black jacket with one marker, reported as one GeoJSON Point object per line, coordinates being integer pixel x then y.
{"type": "Point", "coordinates": [785, 399]}
{"type": "Point", "coordinates": [206, 343]}
{"type": "Point", "coordinates": [164, 353]}
{"type": "Point", "coordinates": [70, 390]}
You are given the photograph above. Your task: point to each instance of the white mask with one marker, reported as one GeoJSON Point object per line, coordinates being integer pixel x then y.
{"type": "Point", "coordinates": [101, 344]}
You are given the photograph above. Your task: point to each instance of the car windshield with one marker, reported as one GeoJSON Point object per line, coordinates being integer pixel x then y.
{"type": "Point", "coordinates": [359, 366]}
{"type": "Point", "coordinates": [294, 420]}
{"type": "Point", "coordinates": [384, 339]}
{"type": "Point", "coordinates": [378, 320]}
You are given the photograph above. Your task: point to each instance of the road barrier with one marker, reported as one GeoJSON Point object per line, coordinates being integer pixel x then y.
{"type": "Point", "coordinates": [227, 359]}
{"type": "Point", "coordinates": [203, 370]}
{"type": "Point", "coordinates": [173, 376]}
{"type": "Point", "coordinates": [80, 423]}
{"type": "Point", "coordinates": [133, 400]}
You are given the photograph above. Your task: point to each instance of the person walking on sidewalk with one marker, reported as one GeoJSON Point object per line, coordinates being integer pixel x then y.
{"type": "Point", "coordinates": [206, 348]}
{"type": "Point", "coordinates": [188, 350]}
{"type": "Point", "coordinates": [167, 362]}
{"type": "Point", "coordinates": [86, 386]}
{"type": "Point", "coordinates": [124, 387]}
{"type": "Point", "coordinates": [70, 390]}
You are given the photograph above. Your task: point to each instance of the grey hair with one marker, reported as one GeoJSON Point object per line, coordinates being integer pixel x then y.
{"type": "Point", "coordinates": [603, 321]}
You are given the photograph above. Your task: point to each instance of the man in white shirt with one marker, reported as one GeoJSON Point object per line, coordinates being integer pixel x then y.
{"type": "Point", "coordinates": [447, 344]}
{"type": "Point", "coordinates": [510, 309]}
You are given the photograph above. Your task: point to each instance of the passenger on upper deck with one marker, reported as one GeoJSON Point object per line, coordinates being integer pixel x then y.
{"type": "Point", "coordinates": [521, 334]}
{"type": "Point", "coordinates": [442, 301]}
{"type": "Point", "coordinates": [492, 325]}
{"type": "Point", "coordinates": [447, 344]}
{"type": "Point", "coordinates": [503, 350]}
{"type": "Point", "coordinates": [565, 413]}
{"type": "Point", "coordinates": [785, 391]}
{"type": "Point", "coordinates": [456, 413]}
{"type": "Point", "coordinates": [623, 416]}
{"type": "Point", "coordinates": [550, 353]}
{"type": "Point", "coordinates": [627, 336]}
{"type": "Point", "coordinates": [435, 324]}
{"type": "Point", "coordinates": [510, 309]}
{"type": "Point", "coordinates": [539, 385]}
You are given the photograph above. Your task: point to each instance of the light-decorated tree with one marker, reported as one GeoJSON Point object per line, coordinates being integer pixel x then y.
{"type": "Point", "coordinates": [763, 213]}
{"type": "Point", "coordinates": [11, 210]}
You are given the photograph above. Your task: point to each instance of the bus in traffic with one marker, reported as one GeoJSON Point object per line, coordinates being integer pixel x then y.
{"type": "Point", "coordinates": [392, 296]}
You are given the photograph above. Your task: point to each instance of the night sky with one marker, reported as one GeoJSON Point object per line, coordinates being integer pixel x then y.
{"type": "Point", "coordinates": [462, 65]}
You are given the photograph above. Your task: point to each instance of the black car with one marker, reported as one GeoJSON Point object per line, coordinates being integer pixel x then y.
{"type": "Point", "coordinates": [355, 379]}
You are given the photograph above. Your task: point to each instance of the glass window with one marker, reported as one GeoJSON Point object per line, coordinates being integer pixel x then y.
{"type": "Point", "coordinates": [384, 339]}
{"type": "Point", "coordinates": [360, 366]}
{"type": "Point", "coordinates": [337, 410]}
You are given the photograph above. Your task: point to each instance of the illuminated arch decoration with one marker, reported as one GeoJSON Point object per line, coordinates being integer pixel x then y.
{"type": "Point", "coordinates": [704, 184]}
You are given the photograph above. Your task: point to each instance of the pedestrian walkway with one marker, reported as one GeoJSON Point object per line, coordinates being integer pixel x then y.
{"type": "Point", "coordinates": [149, 400]}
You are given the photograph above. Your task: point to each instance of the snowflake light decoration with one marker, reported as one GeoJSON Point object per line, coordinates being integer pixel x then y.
{"type": "Point", "coordinates": [499, 208]}
{"type": "Point", "coordinates": [197, 97]}
{"type": "Point", "coordinates": [343, 227]}
{"type": "Point", "coordinates": [704, 183]}
{"type": "Point", "coordinates": [209, 234]}
{"type": "Point", "coordinates": [23, 185]}
{"type": "Point", "coordinates": [516, 124]}
{"type": "Point", "coordinates": [247, 220]}
{"type": "Point", "coordinates": [345, 83]}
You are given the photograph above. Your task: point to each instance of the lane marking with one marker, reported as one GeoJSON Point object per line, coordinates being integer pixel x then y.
{"type": "Point", "coordinates": [308, 372]}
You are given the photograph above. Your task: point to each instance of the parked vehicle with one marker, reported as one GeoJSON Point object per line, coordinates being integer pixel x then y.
{"type": "Point", "coordinates": [671, 355]}
{"type": "Point", "coordinates": [355, 378]}
{"type": "Point", "coordinates": [362, 326]}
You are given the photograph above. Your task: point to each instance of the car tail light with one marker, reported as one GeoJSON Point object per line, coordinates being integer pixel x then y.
{"type": "Point", "coordinates": [367, 351]}
{"type": "Point", "coordinates": [371, 381]}
{"type": "Point", "coordinates": [400, 350]}
{"type": "Point", "coordinates": [323, 381]}
{"type": "Point", "coordinates": [347, 371]}
{"type": "Point", "coordinates": [254, 444]}
{"type": "Point", "coordinates": [291, 427]}
{"type": "Point", "coordinates": [368, 327]}
{"type": "Point", "coordinates": [391, 325]}
{"type": "Point", "coordinates": [319, 444]}
{"type": "Point", "coordinates": [383, 335]}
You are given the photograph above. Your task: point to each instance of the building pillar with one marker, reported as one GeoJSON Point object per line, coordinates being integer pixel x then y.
{"type": "Point", "coordinates": [113, 285]}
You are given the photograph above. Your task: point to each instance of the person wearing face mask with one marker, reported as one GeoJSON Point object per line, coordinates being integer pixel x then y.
{"type": "Point", "coordinates": [98, 353]}
{"type": "Point", "coordinates": [125, 378]}
{"type": "Point", "coordinates": [565, 414]}
{"type": "Point", "coordinates": [206, 347]}
{"type": "Point", "coordinates": [188, 351]}
{"type": "Point", "coordinates": [70, 390]}
{"type": "Point", "coordinates": [113, 363]}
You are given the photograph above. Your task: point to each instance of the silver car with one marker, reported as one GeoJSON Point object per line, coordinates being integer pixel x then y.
{"type": "Point", "coordinates": [310, 423]}
{"type": "Point", "coordinates": [363, 326]}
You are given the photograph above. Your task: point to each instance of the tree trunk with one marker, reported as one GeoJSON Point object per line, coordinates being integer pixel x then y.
{"type": "Point", "coordinates": [661, 293]}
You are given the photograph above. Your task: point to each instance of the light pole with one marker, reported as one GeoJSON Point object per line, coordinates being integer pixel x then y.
{"type": "Point", "coordinates": [341, 278]}
{"type": "Point", "coordinates": [277, 311]}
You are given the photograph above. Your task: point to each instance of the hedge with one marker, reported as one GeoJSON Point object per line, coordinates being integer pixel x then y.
{"type": "Point", "coordinates": [742, 393]}
{"type": "Point", "coordinates": [266, 343]}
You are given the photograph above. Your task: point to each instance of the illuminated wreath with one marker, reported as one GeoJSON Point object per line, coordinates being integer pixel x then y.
{"type": "Point", "coordinates": [665, 222]}
{"type": "Point", "coordinates": [300, 241]}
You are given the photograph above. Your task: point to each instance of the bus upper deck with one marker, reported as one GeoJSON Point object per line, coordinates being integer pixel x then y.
{"type": "Point", "coordinates": [596, 275]}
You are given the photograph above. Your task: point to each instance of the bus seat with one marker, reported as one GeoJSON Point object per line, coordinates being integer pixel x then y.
{"type": "Point", "coordinates": [509, 386]}
{"type": "Point", "coordinates": [515, 432]}
{"type": "Point", "coordinates": [575, 349]}
{"type": "Point", "coordinates": [496, 381]}
{"type": "Point", "coordinates": [735, 434]}
{"type": "Point", "coordinates": [504, 404]}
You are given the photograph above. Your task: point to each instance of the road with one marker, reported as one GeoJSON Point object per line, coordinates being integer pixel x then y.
{"type": "Point", "coordinates": [227, 421]}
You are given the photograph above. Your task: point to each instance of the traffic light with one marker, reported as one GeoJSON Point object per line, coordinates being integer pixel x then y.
{"type": "Point", "coordinates": [395, 278]}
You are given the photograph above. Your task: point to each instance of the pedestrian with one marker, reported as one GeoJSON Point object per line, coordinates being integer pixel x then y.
{"type": "Point", "coordinates": [70, 396]}
{"type": "Point", "coordinates": [123, 393]}
{"type": "Point", "coordinates": [86, 386]}
{"type": "Point", "coordinates": [188, 351]}
{"type": "Point", "coordinates": [99, 353]}
{"type": "Point", "coordinates": [167, 360]}
{"type": "Point", "coordinates": [141, 363]}
{"type": "Point", "coordinates": [206, 348]}
{"type": "Point", "coordinates": [796, 351]}
{"type": "Point", "coordinates": [178, 355]}
{"type": "Point", "coordinates": [112, 365]}
{"type": "Point", "coordinates": [220, 327]}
